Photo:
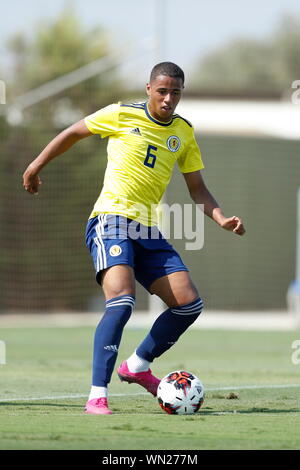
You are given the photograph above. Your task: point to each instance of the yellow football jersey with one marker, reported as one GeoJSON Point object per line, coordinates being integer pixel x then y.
{"type": "Point", "coordinates": [141, 152]}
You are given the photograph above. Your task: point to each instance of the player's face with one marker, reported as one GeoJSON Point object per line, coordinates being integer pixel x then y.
{"type": "Point", "coordinates": [164, 94]}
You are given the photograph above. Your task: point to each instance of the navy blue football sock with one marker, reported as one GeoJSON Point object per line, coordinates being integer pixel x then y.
{"type": "Point", "coordinates": [168, 327]}
{"type": "Point", "coordinates": [108, 336]}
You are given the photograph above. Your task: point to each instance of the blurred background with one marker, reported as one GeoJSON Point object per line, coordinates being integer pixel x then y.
{"type": "Point", "coordinates": [62, 60]}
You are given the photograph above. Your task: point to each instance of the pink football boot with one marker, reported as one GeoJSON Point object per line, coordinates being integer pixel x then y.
{"type": "Point", "coordinates": [145, 379]}
{"type": "Point", "coordinates": [97, 406]}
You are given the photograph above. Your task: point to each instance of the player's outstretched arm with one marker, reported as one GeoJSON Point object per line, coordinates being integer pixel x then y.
{"type": "Point", "coordinates": [201, 195]}
{"type": "Point", "coordinates": [60, 144]}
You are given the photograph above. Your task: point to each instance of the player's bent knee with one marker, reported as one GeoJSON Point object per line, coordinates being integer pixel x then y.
{"type": "Point", "coordinates": [118, 295]}
{"type": "Point", "coordinates": [118, 281]}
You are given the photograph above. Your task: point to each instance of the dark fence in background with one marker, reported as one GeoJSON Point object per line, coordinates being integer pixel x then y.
{"type": "Point", "coordinates": [257, 179]}
{"type": "Point", "coordinates": [45, 266]}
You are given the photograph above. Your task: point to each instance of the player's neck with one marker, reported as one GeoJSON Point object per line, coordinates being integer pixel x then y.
{"type": "Point", "coordinates": [156, 116]}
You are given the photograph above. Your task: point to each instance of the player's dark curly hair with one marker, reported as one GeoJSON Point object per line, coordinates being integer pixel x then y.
{"type": "Point", "coordinates": [167, 68]}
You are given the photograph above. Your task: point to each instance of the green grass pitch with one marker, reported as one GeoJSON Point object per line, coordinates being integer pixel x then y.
{"type": "Point", "coordinates": [46, 380]}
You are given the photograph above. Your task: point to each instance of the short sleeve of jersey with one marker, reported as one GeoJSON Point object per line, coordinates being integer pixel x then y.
{"type": "Point", "coordinates": [191, 159]}
{"type": "Point", "coordinates": [104, 122]}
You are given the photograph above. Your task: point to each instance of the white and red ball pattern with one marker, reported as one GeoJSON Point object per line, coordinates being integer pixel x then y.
{"type": "Point", "coordinates": [180, 392]}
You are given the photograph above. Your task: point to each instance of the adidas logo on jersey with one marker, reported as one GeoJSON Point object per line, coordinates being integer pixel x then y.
{"type": "Point", "coordinates": [112, 347]}
{"type": "Point", "coordinates": [135, 131]}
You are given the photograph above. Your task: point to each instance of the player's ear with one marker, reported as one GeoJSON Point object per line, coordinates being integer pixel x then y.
{"type": "Point", "coordinates": [148, 87]}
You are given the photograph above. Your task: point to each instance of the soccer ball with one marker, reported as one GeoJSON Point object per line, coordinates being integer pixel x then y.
{"type": "Point", "coordinates": [180, 393]}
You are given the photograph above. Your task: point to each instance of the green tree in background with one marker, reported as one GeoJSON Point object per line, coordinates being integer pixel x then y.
{"type": "Point", "coordinates": [44, 264]}
{"type": "Point", "coordinates": [245, 65]}
{"type": "Point", "coordinates": [60, 47]}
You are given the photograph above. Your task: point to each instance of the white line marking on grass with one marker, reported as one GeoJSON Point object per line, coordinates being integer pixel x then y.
{"type": "Point", "coordinates": [60, 397]}
{"type": "Point", "coordinates": [252, 387]}
{"type": "Point", "coordinates": [215, 389]}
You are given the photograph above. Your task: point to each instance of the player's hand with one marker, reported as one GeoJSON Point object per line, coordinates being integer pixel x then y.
{"type": "Point", "coordinates": [31, 182]}
{"type": "Point", "coordinates": [234, 224]}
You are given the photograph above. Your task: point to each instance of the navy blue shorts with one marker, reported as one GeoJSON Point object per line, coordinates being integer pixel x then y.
{"type": "Point", "coordinates": [114, 239]}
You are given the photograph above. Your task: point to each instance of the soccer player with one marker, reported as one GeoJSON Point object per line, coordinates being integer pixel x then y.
{"type": "Point", "coordinates": [145, 141]}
